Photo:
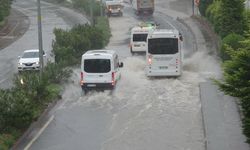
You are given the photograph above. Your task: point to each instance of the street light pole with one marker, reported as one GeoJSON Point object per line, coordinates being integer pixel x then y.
{"type": "Point", "coordinates": [101, 11]}
{"type": "Point", "coordinates": [40, 40]}
{"type": "Point", "coordinates": [193, 7]}
{"type": "Point", "coordinates": [91, 12]}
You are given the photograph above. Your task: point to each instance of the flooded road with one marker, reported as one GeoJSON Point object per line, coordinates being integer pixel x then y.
{"type": "Point", "coordinates": [141, 113]}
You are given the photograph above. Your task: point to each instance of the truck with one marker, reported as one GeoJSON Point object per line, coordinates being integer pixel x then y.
{"type": "Point", "coordinates": [143, 7]}
{"type": "Point", "coordinates": [114, 7]}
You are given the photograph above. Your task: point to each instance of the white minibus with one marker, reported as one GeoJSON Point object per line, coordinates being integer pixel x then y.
{"type": "Point", "coordinates": [100, 69]}
{"type": "Point", "coordinates": [164, 53]}
{"type": "Point", "coordinates": [138, 39]}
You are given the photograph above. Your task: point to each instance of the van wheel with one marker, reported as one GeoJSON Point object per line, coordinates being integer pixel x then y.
{"type": "Point", "coordinates": [84, 92]}
{"type": "Point", "coordinates": [112, 90]}
{"type": "Point", "coordinates": [131, 51]}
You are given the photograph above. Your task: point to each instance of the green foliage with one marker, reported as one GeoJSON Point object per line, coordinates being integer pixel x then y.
{"type": "Point", "coordinates": [213, 13]}
{"type": "Point", "coordinates": [56, 73]}
{"type": "Point", "coordinates": [103, 25]}
{"type": "Point", "coordinates": [16, 110]}
{"type": "Point", "coordinates": [204, 4]}
{"type": "Point", "coordinates": [70, 45]}
{"type": "Point", "coordinates": [24, 103]}
{"type": "Point", "coordinates": [85, 5]}
{"type": "Point", "coordinates": [246, 15]}
{"type": "Point", "coordinates": [237, 79]}
{"type": "Point", "coordinates": [246, 126]}
{"type": "Point", "coordinates": [237, 74]}
{"type": "Point", "coordinates": [4, 8]}
{"type": "Point", "coordinates": [232, 40]}
{"type": "Point", "coordinates": [54, 91]}
{"type": "Point", "coordinates": [232, 17]}
{"type": "Point", "coordinates": [8, 139]}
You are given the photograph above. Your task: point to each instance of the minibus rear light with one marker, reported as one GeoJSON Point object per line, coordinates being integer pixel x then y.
{"type": "Point", "coordinates": [81, 81]}
{"type": "Point", "coordinates": [149, 59]}
{"type": "Point", "coordinates": [113, 79]}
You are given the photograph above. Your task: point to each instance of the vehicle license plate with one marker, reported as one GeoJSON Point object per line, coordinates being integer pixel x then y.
{"type": "Point", "coordinates": [91, 85]}
{"type": "Point", "coordinates": [163, 67]}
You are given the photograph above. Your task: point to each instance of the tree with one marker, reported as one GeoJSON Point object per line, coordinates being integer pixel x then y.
{"type": "Point", "coordinates": [4, 8]}
{"type": "Point", "coordinates": [204, 5]}
{"type": "Point", "coordinates": [237, 79]}
{"type": "Point", "coordinates": [232, 17]}
{"type": "Point", "coordinates": [234, 41]}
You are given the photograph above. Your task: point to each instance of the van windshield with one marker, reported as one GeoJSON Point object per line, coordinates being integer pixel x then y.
{"type": "Point", "coordinates": [163, 46]}
{"type": "Point", "coordinates": [140, 37]}
{"type": "Point", "coordinates": [97, 65]}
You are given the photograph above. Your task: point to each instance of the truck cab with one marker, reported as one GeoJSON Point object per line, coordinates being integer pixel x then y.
{"type": "Point", "coordinates": [114, 8]}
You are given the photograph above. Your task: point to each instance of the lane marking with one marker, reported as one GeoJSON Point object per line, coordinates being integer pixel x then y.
{"type": "Point", "coordinates": [39, 133]}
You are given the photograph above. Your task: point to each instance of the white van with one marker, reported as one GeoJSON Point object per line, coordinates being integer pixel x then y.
{"type": "Point", "coordinates": [100, 69]}
{"type": "Point", "coordinates": [138, 39]}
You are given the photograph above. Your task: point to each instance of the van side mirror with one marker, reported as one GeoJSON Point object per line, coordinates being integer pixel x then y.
{"type": "Point", "coordinates": [121, 65]}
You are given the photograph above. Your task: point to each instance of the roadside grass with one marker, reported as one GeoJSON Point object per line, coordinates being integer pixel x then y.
{"type": "Point", "coordinates": [2, 23]}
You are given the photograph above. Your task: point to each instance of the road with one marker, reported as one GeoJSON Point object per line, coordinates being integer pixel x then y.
{"type": "Point", "coordinates": [142, 113]}
{"type": "Point", "coordinates": [52, 17]}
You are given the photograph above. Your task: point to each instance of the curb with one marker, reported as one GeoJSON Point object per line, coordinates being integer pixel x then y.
{"type": "Point", "coordinates": [203, 120]}
{"type": "Point", "coordinates": [34, 128]}
{"type": "Point", "coordinates": [182, 21]}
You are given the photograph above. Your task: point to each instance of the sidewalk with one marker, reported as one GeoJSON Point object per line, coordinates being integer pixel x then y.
{"type": "Point", "coordinates": [221, 118]}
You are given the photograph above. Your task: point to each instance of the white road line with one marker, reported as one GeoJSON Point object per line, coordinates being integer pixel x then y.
{"type": "Point", "coordinates": [39, 133]}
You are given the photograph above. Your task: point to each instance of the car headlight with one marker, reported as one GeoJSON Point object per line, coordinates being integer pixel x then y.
{"type": "Point", "coordinates": [37, 63]}
{"type": "Point", "coordinates": [20, 63]}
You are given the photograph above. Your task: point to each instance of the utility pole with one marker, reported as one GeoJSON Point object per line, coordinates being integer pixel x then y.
{"type": "Point", "coordinates": [40, 39]}
{"type": "Point", "coordinates": [91, 13]}
{"type": "Point", "coordinates": [101, 10]}
{"type": "Point", "coordinates": [193, 7]}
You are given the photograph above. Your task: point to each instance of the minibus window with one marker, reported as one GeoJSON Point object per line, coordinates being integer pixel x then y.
{"type": "Point", "coordinates": [163, 46]}
{"type": "Point", "coordinates": [140, 37]}
{"type": "Point", "coordinates": [97, 65]}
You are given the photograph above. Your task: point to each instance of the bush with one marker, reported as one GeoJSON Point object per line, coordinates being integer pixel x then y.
{"type": "Point", "coordinates": [204, 4]}
{"type": "Point", "coordinates": [8, 139]}
{"type": "Point", "coordinates": [231, 40]}
{"type": "Point", "coordinates": [213, 13]}
{"type": "Point", "coordinates": [85, 6]}
{"type": "Point", "coordinates": [4, 9]}
{"type": "Point", "coordinates": [103, 25]}
{"type": "Point", "coordinates": [237, 82]}
{"type": "Point", "coordinates": [16, 110]}
{"type": "Point", "coordinates": [232, 19]}
{"type": "Point", "coordinates": [56, 73]}
{"type": "Point", "coordinates": [70, 45]}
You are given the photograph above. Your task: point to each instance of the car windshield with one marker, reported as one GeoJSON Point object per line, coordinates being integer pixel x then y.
{"type": "Point", "coordinates": [140, 37]}
{"type": "Point", "coordinates": [163, 46]}
{"type": "Point", "coordinates": [30, 55]}
{"type": "Point", "coordinates": [97, 65]}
